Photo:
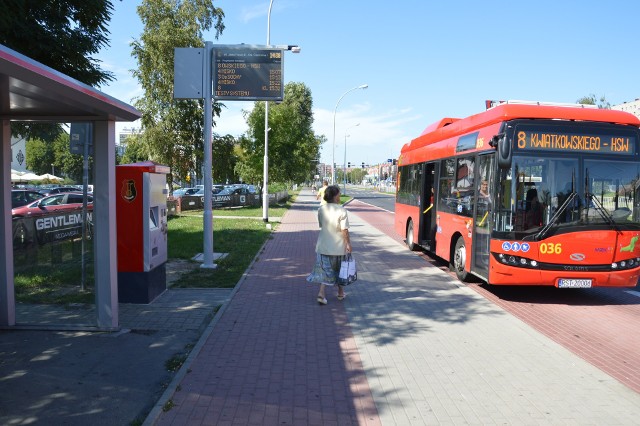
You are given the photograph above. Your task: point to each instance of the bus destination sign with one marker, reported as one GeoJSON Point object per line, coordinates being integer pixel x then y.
{"type": "Point", "coordinates": [532, 140]}
{"type": "Point", "coordinates": [248, 74]}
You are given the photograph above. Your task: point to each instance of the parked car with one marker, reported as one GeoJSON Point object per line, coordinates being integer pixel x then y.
{"type": "Point", "coordinates": [21, 197]}
{"type": "Point", "coordinates": [58, 190]}
{"type": "Point", "coordinates": [215, 190]}
{"type": "Point", "coordinates": [66, 201]}
{"type": "Point", "coordinates": [225, 198]}
{"type": "Point", "coordinates": [233, 190]}
{"type": "Point", "coordinates": [53, 218]}
{"type": "Point", "coordinates": [184, 191]}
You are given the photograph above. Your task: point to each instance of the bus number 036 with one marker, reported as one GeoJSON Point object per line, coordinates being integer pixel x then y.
{"type": "Point", "coordinates": [550, 248]}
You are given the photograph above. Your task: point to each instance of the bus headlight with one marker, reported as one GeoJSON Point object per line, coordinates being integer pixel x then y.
{"type": "Point", "coordinates": [516, 260]}
{"type": "Point", "coordinates": [626, 264]}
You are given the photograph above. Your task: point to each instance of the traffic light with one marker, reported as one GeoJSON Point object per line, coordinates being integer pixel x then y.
{"type": "Point", "coordinates": [395, 162]}
{"type": "Point", "coordinates": [349, 164]}
{"type": "Point", "coordinates": [363, 164]}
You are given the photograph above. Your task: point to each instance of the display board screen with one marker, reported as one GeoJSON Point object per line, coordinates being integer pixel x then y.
{"type": "Point", "coordinates": [247, 74]}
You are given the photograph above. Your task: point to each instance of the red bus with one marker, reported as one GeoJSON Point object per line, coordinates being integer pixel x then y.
{"type": "Point", "coordinates": [527, 193]}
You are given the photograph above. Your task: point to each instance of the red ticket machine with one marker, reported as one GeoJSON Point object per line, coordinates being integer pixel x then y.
{"type": "Point", "coordinates": [141, 215]}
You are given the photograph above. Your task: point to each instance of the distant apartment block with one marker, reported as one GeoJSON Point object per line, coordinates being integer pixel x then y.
{"type": "Point", "coordinates": [633, 107]}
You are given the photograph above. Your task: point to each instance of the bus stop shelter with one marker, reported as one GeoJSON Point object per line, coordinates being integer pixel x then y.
{"type": "Point", "coordinates": [30, 91]}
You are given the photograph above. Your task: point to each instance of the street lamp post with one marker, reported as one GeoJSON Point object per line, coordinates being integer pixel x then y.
{"type": "Point", "coordinates": [333, 159]}
{"type": "Point", "coordinates": [344, 165]}
{"type": "Point", "coordinates": [265, 184]}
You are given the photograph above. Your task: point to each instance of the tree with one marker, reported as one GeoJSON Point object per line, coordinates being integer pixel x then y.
{"type": "Point", "coordinates": [172, 130]}
{"type": "Point", "coordinates": [591, 99]}
{"type": "Point", "coordinates": [134, 150]}
{"type": "Point", "coordinates": [293, 147]}
{"type": "Point", "coordinates": [224, 159]}
{"type": "Point", "coordinates": [248, 167]}
{"type": "Point", "coordinates": [41, 155]}
{"type": "Point", "coordinates": [357, 175]}
{"type": "Point", "coordinates": [62, 34]}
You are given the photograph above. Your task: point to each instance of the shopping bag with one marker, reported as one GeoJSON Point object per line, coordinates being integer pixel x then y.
{"type": "Point", "coordinates": [348, 271]}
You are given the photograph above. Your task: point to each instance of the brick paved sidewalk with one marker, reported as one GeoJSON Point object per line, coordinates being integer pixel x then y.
{"type": "Point", "coordinates": [274, 356]}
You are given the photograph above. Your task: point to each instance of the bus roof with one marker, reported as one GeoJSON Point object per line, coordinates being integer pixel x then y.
{"type": "Point", "coordinates": [450, 127]}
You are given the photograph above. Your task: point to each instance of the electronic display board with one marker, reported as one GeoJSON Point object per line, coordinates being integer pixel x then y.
{"type": "Point", "coordinates": [554, 139]}
{"type": "Point", "coordinates": [248, 74]}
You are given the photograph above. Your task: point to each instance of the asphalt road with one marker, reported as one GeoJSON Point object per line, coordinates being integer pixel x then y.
{"type": "Point", "coordinates": [384, 200]}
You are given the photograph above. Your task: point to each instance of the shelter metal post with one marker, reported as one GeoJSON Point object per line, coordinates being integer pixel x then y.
{"type": "Point", "coordinates": [7, 290]}
{"type": "Point", "coordinates": [104, 219]}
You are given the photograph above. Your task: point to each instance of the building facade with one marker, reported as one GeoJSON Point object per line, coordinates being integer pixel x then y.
{"type": "Point", "coordinates": [633, 107]}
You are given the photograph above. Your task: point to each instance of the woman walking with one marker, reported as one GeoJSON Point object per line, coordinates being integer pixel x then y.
{"type": "Point", "coordinates": [333, 243]}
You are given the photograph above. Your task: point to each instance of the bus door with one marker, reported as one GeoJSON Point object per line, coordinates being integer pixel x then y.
{"type": "Point", "coordinates": [428, 208]}
{"type": "Point", "coordinates": [485, 192]}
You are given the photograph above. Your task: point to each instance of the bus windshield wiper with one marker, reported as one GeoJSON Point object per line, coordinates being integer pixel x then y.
{"type": "Point", "coordinates": [604, 213]}
{"type": "Point", "coordinates": [554, 219]}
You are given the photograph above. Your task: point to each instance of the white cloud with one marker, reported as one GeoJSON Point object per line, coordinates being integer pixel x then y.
{"type": "Point", "coordinates": [250, 13]}
{"type": "Point", "coordinates": [379, 136]}
{"type": "Point", "coordinates": [259, 11]}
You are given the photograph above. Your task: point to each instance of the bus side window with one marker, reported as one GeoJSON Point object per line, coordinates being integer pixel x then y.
{"type": "Point", "coordinates": [446, 202]}
{"type": "Point", "coordinates": [465, 188]}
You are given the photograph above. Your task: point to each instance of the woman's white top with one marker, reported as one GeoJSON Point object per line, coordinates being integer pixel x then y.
{"type": "Point", "coordinates": [333, 220]}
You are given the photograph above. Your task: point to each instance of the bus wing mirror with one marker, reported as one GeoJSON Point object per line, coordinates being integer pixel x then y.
{"type": "Point", "coordinates": [503, 147]}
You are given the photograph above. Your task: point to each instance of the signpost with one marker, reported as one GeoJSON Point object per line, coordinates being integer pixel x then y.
{"type": "Point", "coordinates": [238, 73]}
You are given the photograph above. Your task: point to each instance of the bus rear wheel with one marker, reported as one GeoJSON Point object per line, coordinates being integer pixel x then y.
{"type": "Point", "coordinates": [411, 243]}
{"type": "Point", "coordinates": [459, 260]}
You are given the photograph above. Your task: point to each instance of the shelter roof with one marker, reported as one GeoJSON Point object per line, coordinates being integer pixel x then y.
{"type": "Point", "coordinates": [32, 91]}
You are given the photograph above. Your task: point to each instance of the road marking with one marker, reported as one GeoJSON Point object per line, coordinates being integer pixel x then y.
{"type": "Point", "coordinates": [372, 205]}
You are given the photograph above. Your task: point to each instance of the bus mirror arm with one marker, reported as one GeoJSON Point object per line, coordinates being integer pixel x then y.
{"type": "Point", "coordinates": [503, 147]}
{"type": "Point", "coordinates": [495, 139]}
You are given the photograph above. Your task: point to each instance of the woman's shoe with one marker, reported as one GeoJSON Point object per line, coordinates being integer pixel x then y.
{"type": "Point", "coordinates": [342, 296]}
{"type": "Point", "coordinates": [322, 300]}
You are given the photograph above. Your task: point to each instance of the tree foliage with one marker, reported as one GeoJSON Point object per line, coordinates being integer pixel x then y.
{"type": "Point", "coordinates": [591, 99]}
{"type": "Point", "coordinates": [172, 130]}
{"type": "Point", "coordinates": [293, 146]}
{"type": "Point", "coordinates": [64, 35]}
{"type": "Point", "coordinates": [45, 157]}
{"type": "Point", "coordinates": [224, 159]}
{"type": "Point", "coordinates": [135, 150]}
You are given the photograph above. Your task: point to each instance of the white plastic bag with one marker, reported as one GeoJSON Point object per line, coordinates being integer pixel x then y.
{"type": "Point", "coordinates": [348, 271]}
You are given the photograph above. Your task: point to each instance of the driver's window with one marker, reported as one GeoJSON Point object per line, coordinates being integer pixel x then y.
{"type": "Point", "coordinates": [484, 190]}
{"type": "Point", "coordinates": [53, 201]}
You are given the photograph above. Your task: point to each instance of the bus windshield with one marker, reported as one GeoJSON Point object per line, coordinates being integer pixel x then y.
{"type": "Point", "coordinates": [558, 194]}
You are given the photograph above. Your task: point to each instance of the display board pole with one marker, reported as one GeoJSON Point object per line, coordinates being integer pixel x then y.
{"type": "Point", "coordinates": [208, 182]}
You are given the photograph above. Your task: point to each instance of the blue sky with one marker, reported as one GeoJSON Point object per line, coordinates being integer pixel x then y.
{"type": "Point", "coordinates": [422, 59]}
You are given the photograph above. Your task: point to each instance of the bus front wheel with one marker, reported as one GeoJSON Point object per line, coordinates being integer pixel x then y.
{"type": "Point", "coordinates": [459, 260]}
{"type": "Point", "coordinates": [411, 242]}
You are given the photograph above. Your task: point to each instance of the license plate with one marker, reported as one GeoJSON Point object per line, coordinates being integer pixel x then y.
{"type": "Point", "coordinates": [574, 283]}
